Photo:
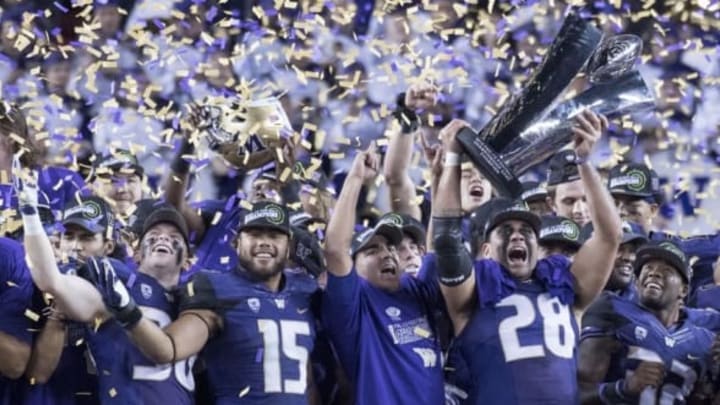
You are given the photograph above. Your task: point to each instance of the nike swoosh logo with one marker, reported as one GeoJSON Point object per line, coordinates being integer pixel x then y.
{"type": "Point", "coordinates": [302, 310]}
{"type": "Point", "coordinates": [691, 357]}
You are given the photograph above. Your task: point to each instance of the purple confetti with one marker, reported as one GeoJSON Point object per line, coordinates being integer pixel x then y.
{"type": "Point", "coordinates": [60, 7]}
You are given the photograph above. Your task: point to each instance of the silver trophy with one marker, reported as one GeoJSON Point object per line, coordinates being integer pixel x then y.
{"type": "Point", "coordinates": [241, 130]}
{"type": "Point", "coordinates": [531, 127]}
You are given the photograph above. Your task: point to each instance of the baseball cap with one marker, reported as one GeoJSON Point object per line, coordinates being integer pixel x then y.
{"type": "Point", "coordinates": [407, 224]}
{"type": "Point", "coordinates": [632, 232]}
{"type": "Point", "coordinates": [533, 191]}
{"type": "Point", "coordinates": [143, 209]}
{"type": "Point", "coordinates": [317, 180]}
{"type": "Point", "coordinates": [664, 250]}
{"type": "Point", "coordinates": [503, 209]}
{"type": "Point", "coordinates": [267, 215]}
{"type": "Point", "coordinates": [117, 161]}
{"type": "Point", "coordinates": [563, 168]}
{"type": "Point", "coordinates": [633, 180]}
{"type": "Point", "coordinates": [90, 213]}
{"type": "Point", "coordinates": [559, 229]}
{"type": "Point", "coordinates": [165, 215]}
{"type": "Point", "coordinates": [392, 232]}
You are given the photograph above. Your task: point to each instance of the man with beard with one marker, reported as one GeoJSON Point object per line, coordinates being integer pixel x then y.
{"type": "Point", "coordinates": [646, 351]}
{"type": "Point", "coordinates": [379, 319]}
{"type": "Point", "coordinates": [513, 316]}
{"type": "Point", "coordinates": [124, 374]}
{"type": "Point", "coordinates": [255, 325]}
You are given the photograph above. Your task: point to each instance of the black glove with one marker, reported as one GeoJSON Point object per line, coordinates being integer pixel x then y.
{"type": "Point", "coordinates": [116, 296]}
{"type": "Point", "coordinates": [307, 251]}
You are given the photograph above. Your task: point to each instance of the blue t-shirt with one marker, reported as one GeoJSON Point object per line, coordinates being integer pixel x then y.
{"type": "Point", "coordinates": [125, 375]}
{"type": "Point", "coordinates": [386, 341]}
{"type": "Point", "coordinates": [706, 296]}
{"type": "Point", "coordinates": [683, 348]}
{"type": "Point", "coordinates": [16, 291]}
{"type": "Point", "coordinates": [58, 183]}
{"type": "Point", "coordinates": [261, 356]}
{"type": "Point", "coordinates": [520, 344]}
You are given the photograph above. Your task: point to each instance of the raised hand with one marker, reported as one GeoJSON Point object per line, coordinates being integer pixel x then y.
{"type": "Point", "coordinates": [448, 136]}
{"type": "Point", "coordinates": [587, 129]}
{"type": "Point", "coordinates": [647, 374]}
{"type": "Point", "coordinates": [421, 96]}
{"type": "Point", "coordinates": [117, 299]}
{"type": "Point", "coordinates": [26, 186]}
{"type": "Point", "coordinates": [366, 164]}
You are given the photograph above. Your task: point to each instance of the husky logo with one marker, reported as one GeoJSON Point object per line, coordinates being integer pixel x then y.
{"type": "Point", "coordinates": [280, 303]}
{"type": "Point", "coordinates": [640, 333]}
{"type": "Point", "coordinates": [669, 342]}
{"type": "Point", "coordinates": [146, 291]}
{"type": "Point", "coordinates": [393, 313]}
{"type": "Point", "coordinates": [254, 304]}
{"type": "Point", "coordinates": [428, 356]}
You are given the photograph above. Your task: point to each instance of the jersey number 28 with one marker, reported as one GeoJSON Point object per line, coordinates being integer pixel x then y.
{"type": "Point", "coordinates": [557, 330]}
{"type": "Point", "coordinates": [282, 336]}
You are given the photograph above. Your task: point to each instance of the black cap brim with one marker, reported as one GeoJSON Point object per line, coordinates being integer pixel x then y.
{"type": "Point", "coordinates": [633, 238]}
{"type": "Point", "coordinates": [626, 193]}
{"type": "Point", "coordinates": [417, 234]}
{"type": "Point", "coordinates": [520, 215]}
{"type": "Point", "coordinates": [391, 232]}
{"type": "Point", "coordinates": [559, 239]}
{"type": "Point", "coordinates": [89, 226]}
{"type": "Point", "coordinates": [649, 253]}
{"type": "Point", "coordinates": [278, 228]}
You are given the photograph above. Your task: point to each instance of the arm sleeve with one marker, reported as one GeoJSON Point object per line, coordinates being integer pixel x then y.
{"type": "Point", "coordinates": [199, 293]}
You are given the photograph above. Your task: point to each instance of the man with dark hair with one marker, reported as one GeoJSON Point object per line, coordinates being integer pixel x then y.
{"type": "Point", "coordinates": [514, 314]}
{"type": "Point", "coordinates": [255, 325]}
{"type": "Point", "coordinates": [645, 351]}
{"type": "Point", "coordinates": [535, 196]}
{"type": "Point", "coordinates": [375, 314]}
{"type": "Point", "coordinates": [124, 374]}
{"type": "Point", "coordinates": [118, 178]}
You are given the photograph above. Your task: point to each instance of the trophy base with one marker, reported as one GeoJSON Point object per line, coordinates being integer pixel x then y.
{"type": "Point", "coordinates": [489, 163]}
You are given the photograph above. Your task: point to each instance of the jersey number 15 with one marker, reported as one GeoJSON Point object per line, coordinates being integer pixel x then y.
{"type": "Point", "coordinates": [282, 336]}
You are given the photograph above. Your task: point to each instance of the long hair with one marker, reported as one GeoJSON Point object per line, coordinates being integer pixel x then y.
{"type": "Point", "coordinates": [14, 126]}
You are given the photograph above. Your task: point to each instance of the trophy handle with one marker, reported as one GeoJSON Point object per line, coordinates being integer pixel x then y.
{"type": "Point", "coordinates": [490, 164]}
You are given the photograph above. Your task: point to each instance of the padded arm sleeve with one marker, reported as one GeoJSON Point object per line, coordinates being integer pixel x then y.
{"type": "Point", "coordinates": [454, 264]}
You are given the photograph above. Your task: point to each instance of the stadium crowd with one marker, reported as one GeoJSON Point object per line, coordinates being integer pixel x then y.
{"type": "Point", "coordinates": [361, 257]}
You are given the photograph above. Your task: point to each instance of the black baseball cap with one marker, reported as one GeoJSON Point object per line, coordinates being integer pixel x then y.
{"type": "Point", "coordinates": [407, 224]}
{"type": "Point", "coordinates": [90, 213]}
{"type": "Point", "coordinates": [389, 230]}
{"type": "Point", "coordinates": [563, 168]}
{"type": "Point", "coordinates": [667, 251]}
{"type": "Point", "coordinates": [267, 215]}
{"type": "Point", "coordinates": [560, 229]}
{"type": "Point", "coordinates": [533, 191]}
{"type": "Point", "coordinates": [502, 209]}
{"type": "Point", "coordinates": [633, 180]}
{"type": "Point", "coordinates": [166, 215]}
{"type": "Point", "coordinates": [632, 233]}
{"type": "Point", "coordinates": [317, 180]}
{"type": "Point", "coordinates": [118, 161]}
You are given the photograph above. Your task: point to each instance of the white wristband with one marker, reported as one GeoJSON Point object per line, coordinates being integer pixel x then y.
{"type": "Point", "coordinates": [451, 159]}
{"type": "Point", "coordinates": [32, 225]}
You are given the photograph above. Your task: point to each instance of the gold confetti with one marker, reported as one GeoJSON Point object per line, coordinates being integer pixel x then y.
{"type": "Point", "coordinates": [421, 332]}
{"type": "Point", "coordinates": [31, 315]}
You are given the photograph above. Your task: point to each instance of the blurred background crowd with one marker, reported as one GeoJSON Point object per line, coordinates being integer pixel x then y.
{"type": "Point", "coordinates": [97, 75]}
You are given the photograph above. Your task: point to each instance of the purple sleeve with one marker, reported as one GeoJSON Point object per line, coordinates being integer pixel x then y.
{"type": "Point", "coordinates": [341, 304]}
{"type": "Point", "coordinates": [16, 289]}
{"type": "Point", "coordinates": [60, 185]}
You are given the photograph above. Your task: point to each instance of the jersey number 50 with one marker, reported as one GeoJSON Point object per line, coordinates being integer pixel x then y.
{"type": "Point", "coordinates": [282, 335]}
{"type": "Point", "coordinates": [557, 330]}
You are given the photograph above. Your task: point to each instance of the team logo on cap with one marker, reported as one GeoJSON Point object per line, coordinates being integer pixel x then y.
{"type": "Point", "coordinates": [272, 213]}
{"type": "Point", "coordinates": [88, 209]}
{"type": "Point", "coordinates": [673, 249]}
{"type": "Point", "coordinates": [634, 180]}
{"type": "Point", "coordinates": [565, 228]}
{"type": "Point", "coordinates": [393, 219]}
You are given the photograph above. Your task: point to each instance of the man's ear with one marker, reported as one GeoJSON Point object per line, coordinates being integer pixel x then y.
{"type": "Point", "coordinates": [551, 203]}
{"type": "Point", "coordinates": [684, 291]}
{"type": "Point", "coordinates": [109, 247]}
{"type": "Point", "coordinates": [485, 250]}
{"type": "Point", "coordinates": [654, 209]}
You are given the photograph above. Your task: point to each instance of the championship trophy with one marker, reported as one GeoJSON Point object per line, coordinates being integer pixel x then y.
{"type": "Point", "coordinates": [245, 132]}
{"type": "Point", "coordinates": [531, 127]}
